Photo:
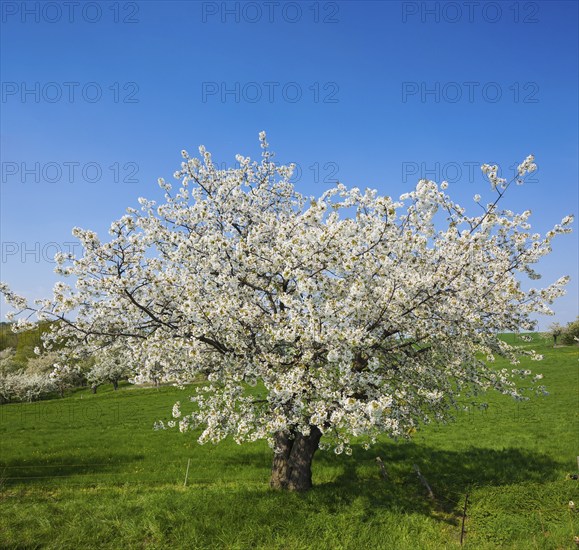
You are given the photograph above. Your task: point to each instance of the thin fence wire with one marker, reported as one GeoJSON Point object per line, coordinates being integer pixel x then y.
{"type": "Point", "coordinates": [136, 473]}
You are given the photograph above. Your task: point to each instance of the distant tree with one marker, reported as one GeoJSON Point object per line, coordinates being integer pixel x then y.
{"type": "Point", "coordinates": [109, 367]}
{"type": "Point", "coordinates": [570, 333]}
{"type": "Point", "coordinates": [348, 315]}
{"type": "Point", "coordinates": [64, 376]}
{"type": "Point", "coordinates": [555, 330]}
{"type": "Point", "coordinates": [150, 371]}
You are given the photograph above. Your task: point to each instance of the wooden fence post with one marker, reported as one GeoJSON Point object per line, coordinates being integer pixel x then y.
{"type": "Point", "coordinates": [383, 472]}
{"type": "Point", "coordinates": [424, 482]}
{"type": "Point", "coordinates": [187, 472]}
{"type": "Point", "coordinates": [463, 519]}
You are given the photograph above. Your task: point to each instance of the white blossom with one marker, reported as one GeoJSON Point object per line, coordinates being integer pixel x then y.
{"type": "Point", "coordinates": [357, 313]}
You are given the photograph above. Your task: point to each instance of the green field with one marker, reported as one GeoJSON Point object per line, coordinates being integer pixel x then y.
{"type": "Point", "coordinates": [88, 471]}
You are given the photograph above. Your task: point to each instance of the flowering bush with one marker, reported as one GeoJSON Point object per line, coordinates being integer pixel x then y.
{"type": "Point", "coordinates": [42, 363]}
{"type": "Point", "coordinates": [7, 360]}
{"type": "Point", "coordinates": [349, 314]}
{"type": "Point", "coordinates": [23, 384]}
{"type": "Point", "coordinates": [31, 386]}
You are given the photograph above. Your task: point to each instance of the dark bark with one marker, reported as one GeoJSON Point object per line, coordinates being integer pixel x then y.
{"type": "Point", "coordinates": [94, 388]}
{"type": "Point", "coordinates": [115, 385]}
{"type": "Point", "coordinates": [279, 468]}
{"type": "Point", "coordinates": [292, 461]}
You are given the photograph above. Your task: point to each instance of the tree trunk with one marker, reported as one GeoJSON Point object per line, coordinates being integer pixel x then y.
{"type": "Point", "coordinates": [292, 461]}
{"type": "Point", "coordinates": [94, 388]}
{"type": "Point", "coordinates": [115, 385]}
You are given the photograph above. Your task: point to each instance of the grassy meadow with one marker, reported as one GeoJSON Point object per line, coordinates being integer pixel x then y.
{"type": "Point", "coordinates": [88, 471]}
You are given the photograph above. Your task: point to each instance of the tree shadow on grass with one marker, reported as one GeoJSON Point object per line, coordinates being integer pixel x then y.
{"type": "Point", "coordinates": [349, 493]}
{"type": "Point", "coordinates": [59, 468]}
{"type": "Point", "coordinates": [352, 487]}
{"type": "Point", "coordinates": [450, 474]}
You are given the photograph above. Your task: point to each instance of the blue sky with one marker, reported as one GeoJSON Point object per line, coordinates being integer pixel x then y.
{"type": "Point", "coordinates": [99, 98]}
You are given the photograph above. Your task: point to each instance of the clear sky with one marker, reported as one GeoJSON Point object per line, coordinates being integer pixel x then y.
{"type": "Point", "coordinates": [99, 98]}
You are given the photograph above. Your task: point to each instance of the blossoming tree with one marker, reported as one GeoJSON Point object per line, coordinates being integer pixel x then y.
{"type": "Point", "coordinates": [109, 366]}
{"type": "Point", "coordinates": [347, 315]}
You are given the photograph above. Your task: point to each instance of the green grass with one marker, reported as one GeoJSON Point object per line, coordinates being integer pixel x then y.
{"type": "Point", "coordinates": [88, 471]}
